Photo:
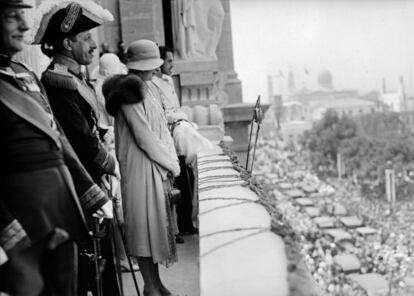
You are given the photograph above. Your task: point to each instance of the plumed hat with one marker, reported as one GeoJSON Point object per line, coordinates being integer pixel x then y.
{"type": "Point", "coordinates": [59, 19]}
{"type": "Point", "coordinates": [14, 4]}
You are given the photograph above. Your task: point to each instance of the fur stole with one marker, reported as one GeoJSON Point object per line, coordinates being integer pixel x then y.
{"type": "Point", "coordinates": [122, 89]}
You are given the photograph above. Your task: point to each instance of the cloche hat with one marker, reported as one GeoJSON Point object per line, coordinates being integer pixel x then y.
{"type": "Point", "coordinates": [143, 55]}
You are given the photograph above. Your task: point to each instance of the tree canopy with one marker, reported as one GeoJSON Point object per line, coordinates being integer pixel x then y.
{"type": "Point", "coordinates": [368, 145]}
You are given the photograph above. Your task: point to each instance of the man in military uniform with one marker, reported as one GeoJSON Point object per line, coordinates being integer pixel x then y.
{"type": "Point", "coordinates": [41, 208]}
{"type": "Point", "coordinates": [67, 37]}
{"type": "Point", "coordinates": [64, 34]}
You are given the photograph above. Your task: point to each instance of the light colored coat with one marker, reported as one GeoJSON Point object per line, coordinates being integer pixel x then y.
{"type": "Point", "coordinates": [146, 154]}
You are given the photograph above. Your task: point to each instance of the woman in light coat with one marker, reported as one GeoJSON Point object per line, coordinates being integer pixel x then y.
{"type": "Point", "coordinates": [146, 155]}
{"type": "Point", "coordinates": [109, 65]}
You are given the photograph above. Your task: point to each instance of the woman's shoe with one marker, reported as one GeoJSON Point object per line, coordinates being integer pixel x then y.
{"type": "Point", "coordinates": [191, 231]}
{"type": "Point", "coordinates": [124, 267]}
{"type": "Point", "coordinates": [179, 239]}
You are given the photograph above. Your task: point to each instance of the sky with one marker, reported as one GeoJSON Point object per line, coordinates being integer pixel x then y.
{"type": "Point", "coordinates": [359, 41]}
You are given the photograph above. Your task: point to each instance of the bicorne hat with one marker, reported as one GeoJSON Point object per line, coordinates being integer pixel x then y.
{"type": "Point", "coordinates": [60, 19]}
{"type": "Point", "coordinates": [14, 4]}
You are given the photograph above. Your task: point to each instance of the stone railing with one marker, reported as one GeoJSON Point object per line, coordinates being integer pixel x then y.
{"type": "Point", "coordinates": [239, 253]}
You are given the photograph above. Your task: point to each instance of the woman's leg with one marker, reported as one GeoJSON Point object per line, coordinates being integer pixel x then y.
{"type": "Point", "coordinates": [161, 287]}
{"type": "Point", "coordinates": [146, 266]}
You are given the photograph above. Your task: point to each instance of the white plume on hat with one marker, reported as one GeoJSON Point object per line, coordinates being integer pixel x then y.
{"type": "Point", "coordinates": [48, 8]}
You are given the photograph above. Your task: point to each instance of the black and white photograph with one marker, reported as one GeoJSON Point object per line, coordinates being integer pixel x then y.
{"type": "Point", "coordinates": [206, 148]}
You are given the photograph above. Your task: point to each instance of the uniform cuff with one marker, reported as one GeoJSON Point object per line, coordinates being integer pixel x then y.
{"type": "Point", "coordinates": [93, 199]}
{"type": "Point", "coordinates": [14, 238]}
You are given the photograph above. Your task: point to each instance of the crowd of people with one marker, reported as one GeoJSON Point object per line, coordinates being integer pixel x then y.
{"type": "Point", "coordinates": [70, 138]}
{"type": "Point", "coordinates": [388, 252]}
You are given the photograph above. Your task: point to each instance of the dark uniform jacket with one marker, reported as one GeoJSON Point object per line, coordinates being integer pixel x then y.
{"type": "Point", "coordinates": [43, 184]}
{"type": "Point", "coordinates": [74, 103]}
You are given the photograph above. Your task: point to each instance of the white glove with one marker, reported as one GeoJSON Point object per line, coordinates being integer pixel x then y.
{"type": "Point", "coordinates": [106, 211]}
{"type": "Point", "coordinates": [176, 171]}
{"type": "Point", "coordinates": [117, 173]}
{"type": "Point", "coordinates": [3, 256]}
{"type": "Point", "coordinates": [114, 183]}
{"type": "Point", "coordinates": [109, 136]}
{"type": "Point", "coordinates": [174, 116]}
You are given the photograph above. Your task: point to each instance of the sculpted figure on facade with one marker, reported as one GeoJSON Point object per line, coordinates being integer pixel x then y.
{"type": "Point", "coordinates": [197, 28]}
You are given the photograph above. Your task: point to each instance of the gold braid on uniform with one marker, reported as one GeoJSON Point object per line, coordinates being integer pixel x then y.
{"type": "Point", "coordinates": [93, 198]}
{"type": "Point", "coordinates": [72, 15]}
{"type": "Point", "coordinates": [12, 235]}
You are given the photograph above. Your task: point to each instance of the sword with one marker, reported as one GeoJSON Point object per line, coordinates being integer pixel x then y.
{"type": "Point", "coordinates": [98, 261]}
{"type": "Point", "coordinates": [123, 239]}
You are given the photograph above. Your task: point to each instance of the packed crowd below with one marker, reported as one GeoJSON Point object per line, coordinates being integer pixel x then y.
{"type": "Point", "coordinates": [97, 173]}
{"type": "Point", "coordinates": [385, 250]}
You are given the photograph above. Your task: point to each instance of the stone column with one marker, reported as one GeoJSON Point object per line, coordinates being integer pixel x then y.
{"type": "Point", "coordinates": [224, 63]}
{"type": "Point", "coordinates": [226, 60]}
{"type": "Point", "coordinates": [142, 19]}
{"type": "Point", "coordinates": [111, 32]}
{"type": "Point", "coordinates": [237, 118]}
{"type": "Point", "coordinates": [197, 28]}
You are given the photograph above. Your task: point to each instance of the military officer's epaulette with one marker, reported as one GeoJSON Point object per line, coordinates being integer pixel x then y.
{"type": "Point", "coordinates": [59, 77]}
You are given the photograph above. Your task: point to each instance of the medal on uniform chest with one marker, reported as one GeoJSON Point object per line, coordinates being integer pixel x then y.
{"type": "Point", "coordinates": [28, 82]}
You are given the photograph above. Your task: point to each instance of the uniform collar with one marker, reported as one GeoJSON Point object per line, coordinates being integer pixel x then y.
{"type": "Point", "coordinates": [167, 78]}
{"type": "Point", "coordinates": [69, 62]}
{"type": "Point", "coordinates": [4, 61]}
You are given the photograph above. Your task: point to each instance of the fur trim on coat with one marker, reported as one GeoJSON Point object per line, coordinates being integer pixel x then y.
{"type": "Point", "coordinates": [122, 89]}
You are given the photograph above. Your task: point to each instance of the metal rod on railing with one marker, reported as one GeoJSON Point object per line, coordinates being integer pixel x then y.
{"type": "Point", "coordinates": [257, 117]}
{"type": "Point", "coordinates": [251, 132]}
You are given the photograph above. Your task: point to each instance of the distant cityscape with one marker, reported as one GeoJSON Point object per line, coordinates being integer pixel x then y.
{"type": "Point", "coordinates": [296, 108]}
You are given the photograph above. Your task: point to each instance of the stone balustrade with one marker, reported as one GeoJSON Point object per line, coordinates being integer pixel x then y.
{"type": "Point", "coordinates": [239, 254]}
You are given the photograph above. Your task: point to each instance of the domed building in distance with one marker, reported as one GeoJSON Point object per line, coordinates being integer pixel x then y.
{"type": "Point", "coordinates": [325, 79]}
{"type": "Point", "coordinates": [302, 107]}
